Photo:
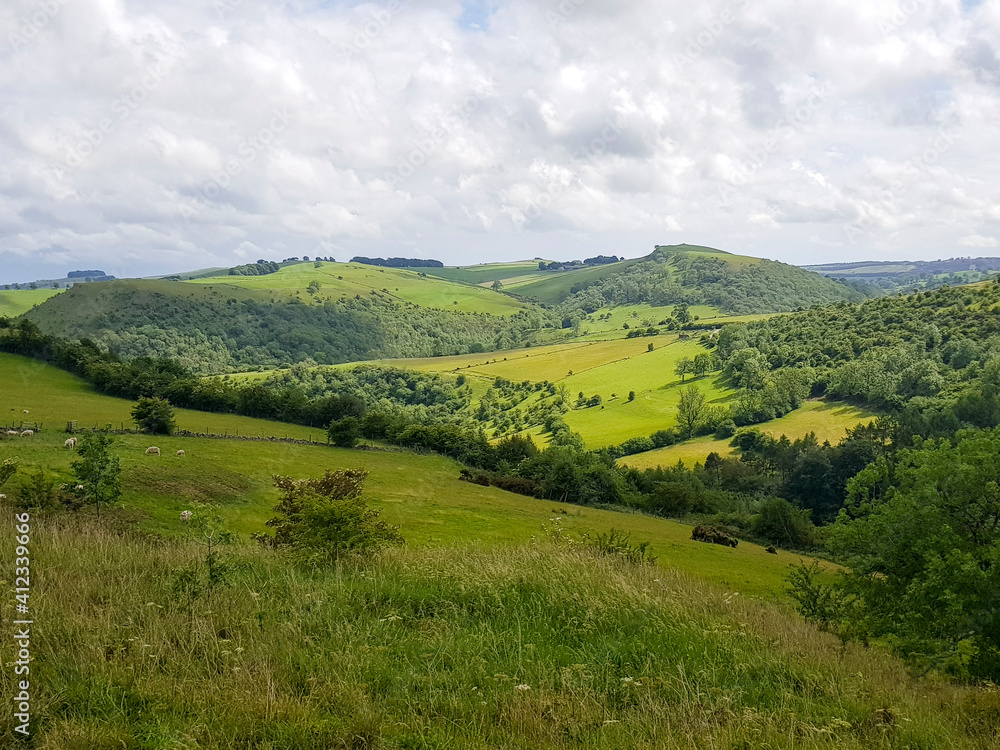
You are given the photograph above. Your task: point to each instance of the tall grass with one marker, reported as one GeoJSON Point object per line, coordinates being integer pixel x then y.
{"type": "Point", "coordinates": [529, 647]}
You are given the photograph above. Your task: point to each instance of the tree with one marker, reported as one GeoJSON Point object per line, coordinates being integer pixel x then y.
{"type": "Point", "coordinates": [98, 471]}
{"type": "Point", "coordinates": [344, 433]}
{"type": "Point", "coordinates": [681, 313]}
{"type": "Point", "coordinates": [326, 518]}
{"type": "Point", "coordinates": [631, 395]}
{"type": "Point", "coordinates": [497, 285]}
{"type": "Point", "coordinates": [683, 367]}
{"type": "Point", "coordinates": [155, 416]}
{"type": "Point", "coordinates": [689, 410]}
{"type": "Point", "coordinates": [921, 541]}
{"type": "Point", "coordinates": [702, 364]}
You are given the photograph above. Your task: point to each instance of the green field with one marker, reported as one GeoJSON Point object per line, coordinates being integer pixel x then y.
{"type": "Point", "coordinates": [350, 279]}
{"type": "Point", "coordinates": [828, 419]}
{"type": "Point", "coordinates": [53, 398]}
{"type": "Point", "coordinates": [421, 493]}
{"type": "Point", "coordinates": [484, 274]}
{"type": "Point", "coordinates": [552, 287]}
{"type": "Point", "coordinates": [16, 302]}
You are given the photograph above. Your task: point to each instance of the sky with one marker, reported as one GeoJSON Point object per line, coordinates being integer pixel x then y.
{"type": "Point", "coordinates": [141, 137]}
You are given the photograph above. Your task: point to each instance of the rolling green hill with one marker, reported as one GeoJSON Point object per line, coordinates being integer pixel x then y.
{"type": "Point", "coordinates": [689, 274]}
{"type": "Point", "coordinates": [421, 493]}
{"type": "Point", "coordinates": [345, 280]}
{"type": "Point", "coordinates": [235, 323]}
{"type": "Point", "coordinates": [490, 628]}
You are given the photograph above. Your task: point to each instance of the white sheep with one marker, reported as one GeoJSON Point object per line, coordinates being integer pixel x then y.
{"type": "Point", "coordinates": [152, 451]}
{"type": "Point", "coordinates": [28, 433]}
{"type": "Point", "coordinates": [181, 453]}
{"type": "Point", "coordinates": [25, 411]}
{"type": "Point", "coordinates": [12, 433]}
{"type": "Point", "coordinates": [70, 443]}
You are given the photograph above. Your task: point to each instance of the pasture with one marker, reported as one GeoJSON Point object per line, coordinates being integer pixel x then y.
{"type": "Point", "coordinates": [350, 279]}
{"type": "Point", "coordinates": [14, 302]}
{"type": "Point", "coordinates": [829, 420]}
{"type": "Point", "coordinates": [420, 493]}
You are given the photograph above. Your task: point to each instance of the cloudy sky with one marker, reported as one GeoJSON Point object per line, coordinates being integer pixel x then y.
{"type": "Point", "coordinates": [145, 137]}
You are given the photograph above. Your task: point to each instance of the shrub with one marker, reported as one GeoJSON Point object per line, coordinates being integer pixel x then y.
{"type": "Point", "coordinates": [344, 433]}
{"type": "Point", "coordinates": [780, 522]}
{"type": "Point", "coordinates": [725, 430]}
{"type": "Point", "coordinates": [615, 543]}
{"type": "Point", "coordinates": [155, 416]}
{"type": "Point", "coordinates": [326, 518]}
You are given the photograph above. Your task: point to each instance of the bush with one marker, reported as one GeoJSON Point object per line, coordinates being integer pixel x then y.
{"type": "Point", "coordinates": [155, 416]}
{"type": "Point", "coordinates": [725, 430]}
{"type": "Point", "coordinates": [616, 543]}
{"type": "Point", "coordinates": [780, 522]}
{"type": "Point", "coordinates": [663, 438]}
{"type": "Point", "coordinates": [637, 445]}
{"type": "Point", "coordinates": [326, 518]}
{"type": "Point", "coordinates": [344, 433]}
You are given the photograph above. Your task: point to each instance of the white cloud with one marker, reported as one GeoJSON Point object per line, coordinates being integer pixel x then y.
{"type": "Point", "coordinates": [135, 135]}
{"type": "Point", "coordinates": [978, 240]}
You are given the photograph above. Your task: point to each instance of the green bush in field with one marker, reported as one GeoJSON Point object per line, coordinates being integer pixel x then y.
{"type": "Point", "coordinates": [155, 416]}
{"type": "Point", "coordinates": [324, 519]}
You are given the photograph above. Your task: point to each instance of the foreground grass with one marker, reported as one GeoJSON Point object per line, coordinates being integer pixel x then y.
{"type": "Point", "coordinates": [526, 647]}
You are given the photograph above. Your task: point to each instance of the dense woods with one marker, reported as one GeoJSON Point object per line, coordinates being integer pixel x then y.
{"type": "Point", "coordinates": [209, 330]}
{"type": "Point", "coordinates": [670, 277]}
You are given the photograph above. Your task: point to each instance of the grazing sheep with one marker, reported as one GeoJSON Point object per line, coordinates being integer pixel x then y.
{"type": "Point", "coordinates": [28, 433]}
{"type": "Point", "coordinates": [12, 433]}
{"type": "Point", "coordinates": [153, 451]}
{"type": "Point", "coordinates": [25, 411]}
{"type": "Point", "coordinates": [70, 443]}
{"type": "Point", "coordinates": [181, 453]}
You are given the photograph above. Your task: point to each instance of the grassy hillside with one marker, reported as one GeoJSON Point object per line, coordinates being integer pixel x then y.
{"type": "Point", "coordinates": [829, 420]}
{"type": "Point", "coordinates": [530, 647]}
{"type": "Point", "coordinates": [345, 280]}
{"type": "Point", "coordinates": [224, 326]}
{"type": "Point", "coordinates": [486, 273]}
{"type": "Point", "coordinates": [16, 302]}
{"type": "Point", "coordinates": [692, 275]}
{"type": "Point", "coordinates": [421, 493]}
{"type": "Point", "coordinates": [553, 287]}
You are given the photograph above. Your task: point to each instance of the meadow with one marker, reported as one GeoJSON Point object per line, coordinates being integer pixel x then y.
{"type": "Point", "coordinates": [421, 493]}
{"type": "Point", "coordinates": [349, 279]}
{"type": "Point", "coordinates": [14, 302]}
{"type": "Point", "coordinates": [534, 646]}
{"type": "Point", "coordinates": [829, 420]}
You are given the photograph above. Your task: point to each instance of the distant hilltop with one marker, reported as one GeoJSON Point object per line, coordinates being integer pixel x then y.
{"type": "Point", "coordinates": [398, 262]}
{"type": "Point", "coordinates": [90, 276]}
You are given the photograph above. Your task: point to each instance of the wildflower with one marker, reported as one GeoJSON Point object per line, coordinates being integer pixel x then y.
{"type": "Point", "coordinates": [79, 488]}
{"type": "Point", "coordinates": [522, 688]}
{"type": "Point", "coordinates": [186, 515]}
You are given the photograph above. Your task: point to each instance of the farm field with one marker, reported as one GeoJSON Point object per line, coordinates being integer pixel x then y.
{"type": "Point", "coordinates": [54, 397]}
{"type": "Point", "coordinates": [350, 279]}
{"type": "Point", "coordinates": [14, 302]}
{"type": "Point", "coordinates": [828, 419]}
{"type": "Point", "coordinates": [486, 273]}
{"type": "Point", "coordinates": [420, 493]}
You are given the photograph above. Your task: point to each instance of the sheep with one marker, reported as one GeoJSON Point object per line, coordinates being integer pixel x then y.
{"type": "Point", "coordinates": [12, 433]}
{"type": "Point", "coordinates": [25, 411]}
{"type": "Point", "coordinates": [181, 453]}
{"type": "Point", "coordinates": [152, 451]}
{"type": "Point", "coordinates": [70, 443]}
{"type": "Point", "coordinates": [28, 433]}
